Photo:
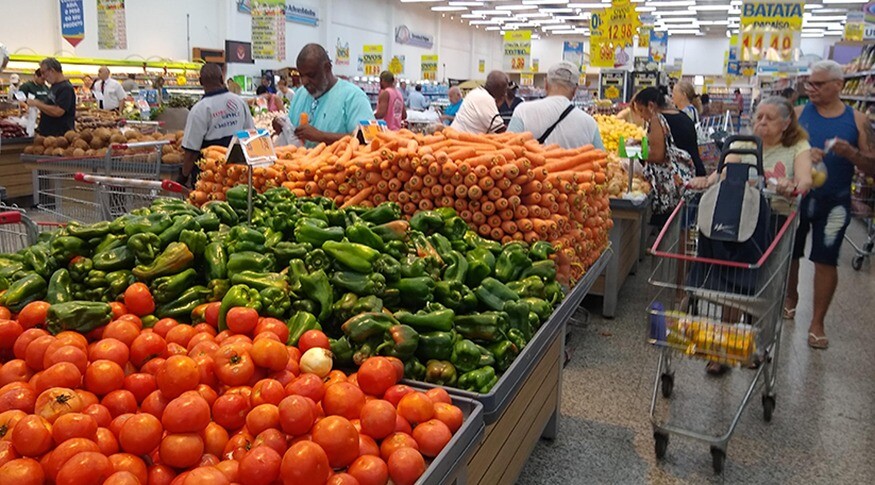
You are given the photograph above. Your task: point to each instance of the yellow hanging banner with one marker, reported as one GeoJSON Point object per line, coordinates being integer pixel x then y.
{"type": "Point", "coordinates": [771, 29]}
{"type": "Point", "coordinates": [517, 49]}
{"type": "Point", "coordinates": [372, 59]}
{"type": "Point", "coordinates": [612, 30]}
{"type": "Point", "coordinates": [429, 65]}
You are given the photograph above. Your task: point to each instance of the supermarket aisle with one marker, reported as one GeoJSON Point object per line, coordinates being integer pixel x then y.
{"type": "Point", "coordinates": [823, 430]}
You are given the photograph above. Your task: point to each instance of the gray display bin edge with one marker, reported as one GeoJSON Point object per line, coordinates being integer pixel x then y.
{"type": "Point", "coordinates": [461, 447]}
{"type": "Point", "coordinates": [497, 400]}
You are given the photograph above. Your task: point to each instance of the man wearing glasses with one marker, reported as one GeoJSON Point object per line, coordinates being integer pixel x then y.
{"type": "Point", "coordinates": [58, 111]}
{"type": "Point", "coordinates": [333, 106]}
{"type": "Point", "coordinates": [843, 140]}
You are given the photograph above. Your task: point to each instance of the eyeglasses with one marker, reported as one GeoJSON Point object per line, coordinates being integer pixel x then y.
{"type": "Point", "coordinates": [819, 84]}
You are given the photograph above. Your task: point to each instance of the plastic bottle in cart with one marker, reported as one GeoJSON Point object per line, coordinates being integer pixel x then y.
{"type": "Point", "coordinates": [657, 322]}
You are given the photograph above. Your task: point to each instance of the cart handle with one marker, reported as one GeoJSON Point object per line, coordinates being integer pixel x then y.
{"type": "Point", "coordinates": [167, 185]}
{"type": "Point", "coordinates": [10, 217]}
{"type": "Point", "coordinates": [139, 144]}
{"type": "Point", "coordinates": [134, 123]}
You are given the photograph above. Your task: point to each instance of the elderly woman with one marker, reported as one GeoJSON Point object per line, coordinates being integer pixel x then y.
{"type": "Point", "coordinates": [455, 95]}
{"type": "Point", "coordinates": [686, 100]}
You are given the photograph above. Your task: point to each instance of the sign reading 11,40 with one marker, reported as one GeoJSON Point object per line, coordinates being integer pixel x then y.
{"type": "Point", "coordinates": [770, 29]}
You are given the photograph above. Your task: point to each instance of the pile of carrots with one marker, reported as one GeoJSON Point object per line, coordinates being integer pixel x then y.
{"type": "Point", "coordinates": [506, 186]}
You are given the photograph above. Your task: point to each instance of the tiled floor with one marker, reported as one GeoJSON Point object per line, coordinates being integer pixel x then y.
{"type": "Point", "coordinates": [823, 430]}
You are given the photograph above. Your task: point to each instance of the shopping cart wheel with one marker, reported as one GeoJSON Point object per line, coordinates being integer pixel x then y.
{"type": "Point", "coordinates": [768, 407]}
{"type": "Point", "coordinates": [857, 262]}
{"type": "Point", "coordinates": [718, 459]}
{"type": "Point", "coordinates": [661, 441]}
{"type": "Point", "coordinates": [667, 381]}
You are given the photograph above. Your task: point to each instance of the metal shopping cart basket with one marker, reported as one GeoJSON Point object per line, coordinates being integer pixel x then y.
{"type": "Point", "coordinates": [117, 196]}
{"type": "Point", "coordinates": [56, 192]}
{"type": "Point", "coordinates": [863, 208]}
{"type": "Point", "coordinates": [716, 310]}
{"type": "Point", "coordinates": [18, 231]}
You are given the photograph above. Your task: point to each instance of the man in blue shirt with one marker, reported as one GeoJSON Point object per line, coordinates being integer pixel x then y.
{"type": "Point", "coordinates": [455, 95]}
{"type": "Point", "coordinates": [333, 106]}
{"type": "Point", "coordinates": [416, 100]}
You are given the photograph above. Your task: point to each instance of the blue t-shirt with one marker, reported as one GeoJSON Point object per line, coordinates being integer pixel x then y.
{"type": "Point", "coordinates": [338, 110]}
{"type": "Point", "coordinates": [453, 108]}
{"type": "Point", "coordinates": [840, 171]}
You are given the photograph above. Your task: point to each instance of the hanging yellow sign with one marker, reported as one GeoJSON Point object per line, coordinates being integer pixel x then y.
{"type": "Point", "coordinates": [517, 49]}
{"type": "Point", "coordinates": [429, 65]}
{"type": "Point", "coordinates": [771, 29]}
{"type": "Point", "coordinates": [613, 29]}
{"type": "Point", "coordinates": [527, 79]}
{"type": "Point", "coordinates": [396, 65]}
{"type": "Point", "coordinates": [372, 59]}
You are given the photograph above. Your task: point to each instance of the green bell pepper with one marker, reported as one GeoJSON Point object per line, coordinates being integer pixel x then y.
{"type": "Point", "coordinates": [510, 264]}
{"type": "Point", "coordinates": [481, 380]}
{"type": "Point", "coordinates": [413, 267]}
{"type": "Point", "coordinates": [389, 267]}
{"type": "Point", "coordinates": [455, 295]}
{"type": "Point", "coordinates": [317, 259]}
{"type": "Point", "coordinates": [361, 234]}
{"type": "Point", "coordinates": [305, 305]}
{"type": "Point", "coordinates": [243, 238]}
{"type": "Point", "coordinates": [441, 372]}
{"type": "Point", "coordinates": [79, 268]}
{"type": "Point", "coordinates": [64, 248]}
{"type": "Point", "coordinates": [397, 249]}
{"type": "Point", "coordinates": [475, 241]}
{"type": "Point", "coordinates": [90, 231]}
{"type": "Point", "coordinates": [40, 259]}
{"type": "Point", "coordinates": [416, 291]}
{"type": "Point", "coordinates": [365, 351]}
{"type": "Point", "coordinates": [364, 326]}
{"type": "Point", "coordinates": [454, 228]}
{"type": "Point", "coordinates": [468, 356]}
{"type": "Point", "coordinates": [343, 309]}
{"type": "Point", "coordinates": [261, 281]}
{"type": "Point", "coordinates": [79, 316]}
{"type": "Point", "coordinates": [249, 261]}
{"type": "Point", "coordinates": [546, 270]}
{"type": "Point", "coordinates": [118, 282]}
{"type": "Point", "coordinates": [492, 294]}
{"type": "Point", "coordinates": [383, 213]}
{"type": "Point", "coordinates": [341, 350]}
{"type": "Point", "coordinates": [223, 211]}
{"type": "Point", "coordinates": [392, 231]}
{"type": "Point", "coordinates": [238, 295]}
{"type": "Point", "coordinates": [541, 250]}
{"type": "Point", "coordinates": [96, 279]}
{"type": "Point", "coordinates": [168, 288]}
{"type": "Point", "coordinates": [294, 271]}
{"type": "Point", "coordinates": [208, 221]}
{"type": "Point", "coordinates": [110, 241]}
{"type": "Point", "coordinates": [30, 288]}
{"type": "Point", "coordinates": [317, 287]}
{"type": "Point", "coordinates": [285, 251]}
{"type": "Point", "coordinates": [172, 233]}
{"type": "Point", "coordinates": [275, 302]}
{"type": "Point", "coordinates": [215, 261]}
{"type": "Point", "coordinates": [195, 240]}
{"type": "Point", "coordinates": [518, 318]}
{"type": "Point", "coordinates": [367, 304]}
{"type": "Point", "coordinates": [457, 267]}
{"type": "Point", "coordinates": [218, 289]}
{"type": "Point", "coordinates": [114, 259]}
{"type": "Point", "coordinates": [517, 337]}
{"type": "Point", "coordinates": [414, 369]}
{"type": "Point", "coordinates": [553, 292]}
{"type": "Point", "coordinates": [10, 267]}
{"type": "Point", "coordinates": [60, 288]}
{"type": "Point", "coordinates": [532, 286]}
{"type": "Point", "coordinates": [485, 327]}
{"type": "Point", "coordinates": [174, 259]}
{"type": "Point", "coordinates": [299, 323]}
{"type": "Point", "coordinates": [353, 256]}
{"type": "Point", "coordinates": [400, 341]}
{"type": "Point", "coordinates": [426, 222]}
{"type": "Point", "coordinates": [153, 223]}
{"type": "Point", "coordinates": [145, 246]}
{"type": "Point", "coordinates": [308, 231]}
{"type": "Point", "coordinates": [237, 197]}
{"type": "Point", "coordinates": [424, 321]}
{"type": "Point", "coordinates": [436, 345]}
{"type": "Point", "coordinates": [505, 352]}
{"type": "Point", "coordinates": [441, 244]}
{"type": "Point", "coordinates": [481, 263]}
{"type": "Point", "coordinates": [184, 304]}
{"type": "Point", "coordinates": [425, 250]}
{"type": "Point", "coordinates": [360, 284]}
{"type": "Point", "coordinates": [542, 308]}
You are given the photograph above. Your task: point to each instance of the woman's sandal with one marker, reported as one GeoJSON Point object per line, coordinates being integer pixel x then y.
{"type": "Point", "coordinates": [789, 313]}
{"type": "Point", "coordinates": [815, 342]}
{"type": "Point", "coordinates": [716, 369]}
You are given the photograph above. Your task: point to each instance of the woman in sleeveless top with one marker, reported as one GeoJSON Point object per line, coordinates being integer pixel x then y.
{"type": "Point", "coordinates": [390, 103]}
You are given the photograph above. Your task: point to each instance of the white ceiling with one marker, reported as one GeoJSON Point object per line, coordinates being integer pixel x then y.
{"type": "Point", "coordinates": [678, 17]}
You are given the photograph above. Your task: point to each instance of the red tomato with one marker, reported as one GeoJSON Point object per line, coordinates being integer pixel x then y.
{"type": "Point", "coordinates": [109, 349]}
{"type": "Point", "coordinates": [307, 385]}
{"type": "Point", "coordinates": [230, 410]}
{"type": "Point", "coordinates": [273, 439]}
{"type": "Point", "coordinates": [122, 478]}
{"type": "Point", "coordinates": [234, 366]}
{"type": "Point", "coordinates": [376, 375]}
{"type": "Point", "coordinates": [439, 394]}
{"type": "Point", "coordinates": [57, 401]}
{"type": "Point", "coordinates": [416, 407]}
{"type": "Point", "coordinates": [342, 479]}
{"type": "Point", "coordinates": [161, 475]}
{"type": "Point", "coordinates": [7, 452]}
{"type": "Point", "coordinates": [394, 442]}
{"type": "Point", "coordinates": [297, 414]}
{"type": "Point", "coordinates": [74, 425]}
{"type": "Point", "coordinates": [62, 374]}
{"type": "Point", "coordinates": [9, 331]}
{"type": "Point", "coordinates": [23, 340]}
{"type": "Point", "coordinates": [15, 370]}
{"type": "Point", "coordinates": [449, 415]}
{"type": "Point", "coordinates": [369, 470]}
{"type": "Point", "coordinates": [126, 462]}
{"type": "Point", "coordinates": [339, 438]}
{"type": "Point", "coordinates": [33, 314]}
{"type": "Point", "coordinates": [305, 463]}
{"type": "Point", "coordinates": [215, 439]}
{"type": "Point", "coordinates": [163, 326]}
{"type": "Point", "coordinates": [262, 417]}
{"type": "Point", "coordinates": [104, 376]}
{"type": "Point", "coordinates": [64, 452]}
{"type": "Point", "coordinates": [260, 465]}
{"type": "Point", "coordinates": [8, 420]}
{"type": "Point", "coordinates": [206, 475]}
{"type": "Point", "coordinates": [21, 397]}
{"type": "Point", "coordinates": [432, 436]}
{"type": "Point", "coordinates": [311, 339]}
{"type": "Point", "coordinates": [242, 319]}
{"type": "Point", "coordinates": [343, 399]}
{"type": "Point", "coordinates": [141, 385]}
{"type": "Point", "coordinates": [138, 300]}
{"type": "Point", "coordinates": [270, 354]}
{"type": "Point", "coordinates": [100, 414]}
{"type": "Point", "coordinates": [367, 446]}
{"type": "Point", "coordinates": [35, 352]}
{"type": "Point", "coordinates": [378, 419]}
{"type": "Point", "coordinates": [180, 334]}
{"type": "Point", "coordinates": [120, 402]}
{"type": "Point", "coordinates": [118, 309]}
{"type": "Point", "coordinates": [178, 374]}
{"type": "Point", "coordinates": [32, 436]}
{"type": "Point", "coordinates": [406, 465]}
{"type": "Point", "coordinates": [277, 327]}
{"type": "Point", "coordinates": [61, 352]}
{"type": "Point", "coordinates": [147, 346]}
{"type": "Point", "coordinates": [181, 450]}
{"type": "Point", "coordinates": [211, 314]}
{"type": "Point", "coordinates": [23, 471]}
{"type": "Point", "coordinates": [189, 413]}
{"type": "Point", "coordinates": [399, 366]}
{"type": "Point", "coordinates": [267, 391]}
{"type": "Point", "coordinates": [154, 404]}
{"type": "Point", "coordinates": [125, 331]}
{"type": "Point", "coordinates": [85, 467]}
{"type": "Point", "coordinates": [140, 434]}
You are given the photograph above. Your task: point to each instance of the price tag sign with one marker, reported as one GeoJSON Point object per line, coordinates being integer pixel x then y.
{"type": "Point", "coordinates": [373, 59]}
{"type": "Point", "coordinates": [370, 128]}
{"type": "Point", "coordinates": [770, 29]}
{"type": "Point", "coordinates": [258, 149]}
{"type": "Point", "coordinates": [517, 50]}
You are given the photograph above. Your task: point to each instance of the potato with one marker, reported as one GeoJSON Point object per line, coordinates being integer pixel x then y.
{"type": "Point", "coordinates": [29, 149]}
{"type": "Point", "coordinates": [86, 135]}
{"type": "Point", "coordinates": [78, 152]}
{"type": "Point", "coordinates": [117, 138]}
{"type": "Point", "coordinates": [61, 142]}
{"type": "Point", "coordinates": [97, 142]}
{"type": "Point", "coordinates": [38, 150]}
{"type": "Point", "coordinates": [102, 133]}
{"type": "Point", "coordinates": [49, 142]}
{"type": "Point", "coordinates": [80, 143]}
{"type": "Point", "coordinates": [70, 135]}
{"type": "Point", "coordinates": [68, 152]}
{"type": "Point", "coordinates": [172, 158]}
{"type": "Point", "coordinates": [39, 140]}
{"type": "Point", "coordinates": [58, 152]}
{"type": "Point", "coordinates": [89, 152]}
{"type": "Point", "coordinates": [131, 134]}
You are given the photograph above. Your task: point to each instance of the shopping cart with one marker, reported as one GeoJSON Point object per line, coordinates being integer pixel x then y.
{"type": "Point", "coordinates": [18, 231]}
{"type": "Point", "coordinates": [719, 311]}
{"type": "Point", "coordinates": [144, 127]}
{"type": "Point", "coordinates": [117, 196]}
{"type": "Point", "coordinates": [863, 208]}
{"type": "Point", "coordinates": [58, 195]}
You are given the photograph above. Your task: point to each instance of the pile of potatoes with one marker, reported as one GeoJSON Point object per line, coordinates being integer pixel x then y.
{"type": "Point", "coordinates": [94, 143]}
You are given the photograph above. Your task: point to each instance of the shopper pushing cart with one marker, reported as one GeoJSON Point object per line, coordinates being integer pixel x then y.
{"type": "Point", "coordinates": [720, 275]}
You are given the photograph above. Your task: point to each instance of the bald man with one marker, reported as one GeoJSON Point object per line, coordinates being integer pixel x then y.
{"type": "Point", "coordinates": [212, 121]}
{"type": "Point", "coordinates": [479, 112]}
{"type": "Point", "coordinates": [109, 93]}
{"type": "Point", "coordinates": [334, 106]}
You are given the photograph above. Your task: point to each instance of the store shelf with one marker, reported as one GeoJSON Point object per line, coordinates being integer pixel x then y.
{"type": "Point", "coordinates": [865, 99]}
{"type": "Point", "coordinates": [860, 74]}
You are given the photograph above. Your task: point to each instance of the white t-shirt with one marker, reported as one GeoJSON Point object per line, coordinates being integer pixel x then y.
{"type": "Point", "coordinates": [576, 130]}
{"type": "Point", "coordinates": [478, 114]}
{"type": "Point", "coordinates": [216, 118]}
{"type": "Point", "coordinates": [113, 94]}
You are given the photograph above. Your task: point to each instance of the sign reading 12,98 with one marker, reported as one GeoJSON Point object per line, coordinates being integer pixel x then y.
{"type": "Point", "coordinates": [770, 29]}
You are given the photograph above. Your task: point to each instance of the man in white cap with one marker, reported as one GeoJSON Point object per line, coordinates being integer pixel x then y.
{"type": "Point", "coordinates": [14, 85]}
{"type": "Point", "coordinates": [555, 119]}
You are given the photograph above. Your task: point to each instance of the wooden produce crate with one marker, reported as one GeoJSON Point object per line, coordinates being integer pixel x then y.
{"type": "Point", "coordinates": [16, 176]}
{"type": "Point", "coordinates": [628, 241]}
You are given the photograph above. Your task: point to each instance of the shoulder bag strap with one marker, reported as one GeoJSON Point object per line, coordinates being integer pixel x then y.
{"type": "Point", "coordinates": [547, 133]}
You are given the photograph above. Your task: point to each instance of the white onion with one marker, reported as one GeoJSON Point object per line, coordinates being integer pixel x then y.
{"type": "Point", "coordinates": [316, 361]}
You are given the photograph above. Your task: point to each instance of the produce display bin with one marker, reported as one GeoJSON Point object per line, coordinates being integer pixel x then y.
{"type": "Point", "coordinates": [629, 241]}
{"type": "Point", "coordinates": [16, 177]}
{"type": "Point", "coordinates": [454, 457]}
{"type": "Point", "coordinates": [505, 390]}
